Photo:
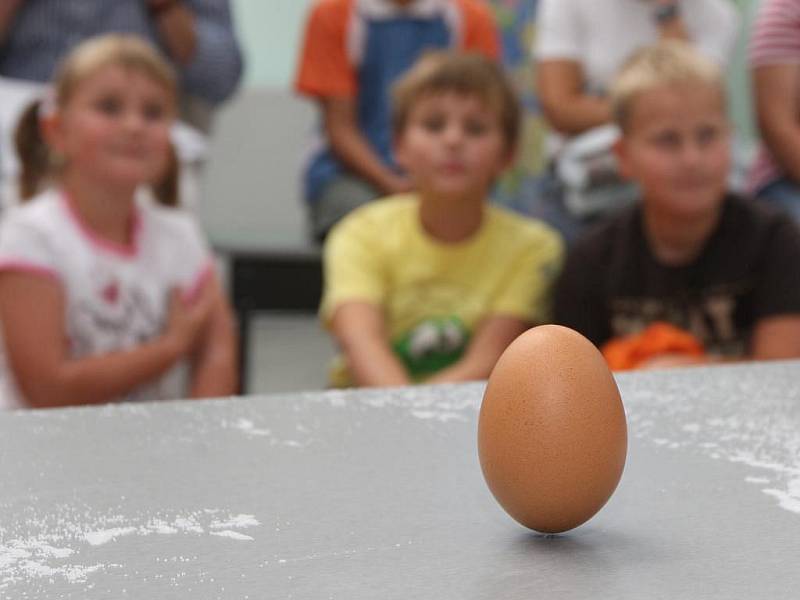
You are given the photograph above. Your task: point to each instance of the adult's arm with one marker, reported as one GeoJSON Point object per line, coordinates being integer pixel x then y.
{"type": "Point", "coordinates": [565, 104]}
{"type": "Point", "coordinates": [775, 89]}
{"type": "Point", "coordinates": [353, 149]}
{"type": "Point", "coordinates": [200, 38]}
{"type": "Point", "coordinates": [8, 9]}
{"type": "Point", "coordinates": [561, 83]}
{"type": "Point", "coordinates": [560, 76]}
{"type": "Point", "coordinates": [360, 330]}
{"type": "Point", "coordinates": [175, 23]}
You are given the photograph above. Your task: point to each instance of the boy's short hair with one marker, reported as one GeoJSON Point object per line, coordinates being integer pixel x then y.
{"type": "Point", "coordinates": [465, 73]}
{"type": "Point", "coordinates": [670, 62]}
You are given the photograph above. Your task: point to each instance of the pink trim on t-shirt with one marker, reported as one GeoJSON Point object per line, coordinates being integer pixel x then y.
{"type": "Point", "coordinates": [191, 293]}
{"type": "Point", "coordinates": [21, 266]}
{"type": "Point", "coordinates": [125, 250]}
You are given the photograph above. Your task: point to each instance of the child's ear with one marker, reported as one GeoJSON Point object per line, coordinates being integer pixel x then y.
{"type": "Point", "coordinates": [399, 152]}
{"type": "Point", "coordinates": [50, 126]}
{"type": "Point", "coordinates": [622, 154]}
{"type": "Point", "coordinates": [509, 158]}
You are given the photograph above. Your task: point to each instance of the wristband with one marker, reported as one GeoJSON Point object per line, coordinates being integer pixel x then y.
{"type": "Point", "coordinates": [664, 13]}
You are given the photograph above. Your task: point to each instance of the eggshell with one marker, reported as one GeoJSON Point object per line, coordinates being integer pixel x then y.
{"type": "Point", "coordinates": [552, 435]}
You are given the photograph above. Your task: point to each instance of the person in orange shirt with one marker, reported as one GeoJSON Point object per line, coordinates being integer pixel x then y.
{"type": "Point", "coordinates": [353, 52]}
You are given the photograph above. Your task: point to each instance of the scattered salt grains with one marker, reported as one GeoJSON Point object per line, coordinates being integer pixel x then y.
{"type": "Point", "coordinates": [438, 415]}
{"type": "Point", "coordinates": [235, 535]}
{"type": "Point", "coordinates": [98, 538]}
{"type": "Point", "coordinates": [162, 528]}
{"type": "Point", "coordinates": [247, 426]}
{"type": "Point", "coordinates": [788, 499]}
{"type": "Point", "coordinates": [58, 550]}
{"type": "Point", "coordinates": [757, 480]}
{"type": "Point", "coordinates": [188, 524]}
{"type": "Point", "coordinates": [237, 522]}
{"type": "Point", "coordinates": [418, 401]}
{"type": "Point", "coordinates": [710, 416]}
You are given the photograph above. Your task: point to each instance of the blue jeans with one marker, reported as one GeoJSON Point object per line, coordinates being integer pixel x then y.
{"type": "Point", "coordinates": [784, 194]}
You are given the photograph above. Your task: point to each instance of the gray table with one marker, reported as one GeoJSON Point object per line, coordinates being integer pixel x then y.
{"type": "Point", "coordinates": [379, 495]}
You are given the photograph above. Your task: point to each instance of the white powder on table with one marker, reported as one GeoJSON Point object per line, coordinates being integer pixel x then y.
{"type": "Point", "coordinates": [46, 551]}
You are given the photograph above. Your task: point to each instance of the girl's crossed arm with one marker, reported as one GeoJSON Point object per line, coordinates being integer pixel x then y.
{"type": "Point", "coordinates": [32, 313]}
{"type": "Point", "coordinates": [214, 363]}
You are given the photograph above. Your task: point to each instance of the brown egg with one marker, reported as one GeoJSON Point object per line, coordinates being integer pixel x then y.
{"type": "Point", "coordinates": [552, 436]}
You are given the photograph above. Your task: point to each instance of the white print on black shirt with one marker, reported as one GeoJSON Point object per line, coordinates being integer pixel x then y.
{"type": "Point", "coordinates": [710, 318]}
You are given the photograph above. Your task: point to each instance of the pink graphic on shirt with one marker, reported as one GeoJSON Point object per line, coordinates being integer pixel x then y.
{"type": "Point", "coordinates": [110, 293]}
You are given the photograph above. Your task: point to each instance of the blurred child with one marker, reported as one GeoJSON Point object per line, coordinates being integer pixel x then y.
{"type": "Point", "coordinates": [716, 266]}
{"type": "Point", "coordinates": [432, 286]}
{"type": "Point", "coordinates": [353, 51]}
{"type": "Point", "coordinates": [101, 297]}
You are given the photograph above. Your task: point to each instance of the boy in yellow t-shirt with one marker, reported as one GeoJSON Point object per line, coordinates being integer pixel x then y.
{"type": "Point", "coordinates": [433, 286]}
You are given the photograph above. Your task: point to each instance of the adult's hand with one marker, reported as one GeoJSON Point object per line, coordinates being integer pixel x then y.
{"type": "Point", "coordinates": [8, 8]}
{"type": "Point", "coordinates": [175, 23]}
{"type": "Point", "coordinates": [353, 148]}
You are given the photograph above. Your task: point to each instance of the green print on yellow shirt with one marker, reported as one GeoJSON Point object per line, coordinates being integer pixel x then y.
{"type": "Point", "coordinates": [432, 345]}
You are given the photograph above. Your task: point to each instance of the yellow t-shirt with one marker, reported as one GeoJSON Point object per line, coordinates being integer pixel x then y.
{"type": "Point", "coordinates": [435, 294]}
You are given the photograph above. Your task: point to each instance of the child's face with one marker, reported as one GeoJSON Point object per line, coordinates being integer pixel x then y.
{"type": "Point", "coordinates": [452, 145]}
{"type": "Point", "coordinates": [114, 127]}
{"type": "Point", "coordinates": [676, 147]}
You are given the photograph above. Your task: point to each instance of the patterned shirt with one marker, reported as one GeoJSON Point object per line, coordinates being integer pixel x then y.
{"type": "Point", "coordinates": [42, 32]}
{"type": "Point", "coordinates": [116, 297]}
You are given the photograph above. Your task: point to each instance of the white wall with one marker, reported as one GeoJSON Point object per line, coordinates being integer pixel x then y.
{"type": "Point", "coordinates": [252, 180]}
{"type": "Point", "coordinates": [270, 31]}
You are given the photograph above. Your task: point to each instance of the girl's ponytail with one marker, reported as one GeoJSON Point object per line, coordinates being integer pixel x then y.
{"type": "Point", "coordinates": [167, 189]}
{"type": "Point", "coordinates": [32, 151]}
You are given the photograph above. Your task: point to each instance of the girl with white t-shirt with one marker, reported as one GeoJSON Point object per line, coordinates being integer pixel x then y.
{"type": "Point", "coordinates": [105, 296]}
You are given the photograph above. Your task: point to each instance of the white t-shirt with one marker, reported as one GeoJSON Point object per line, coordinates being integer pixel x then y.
{"type": "Point", "coordinates": [117, 297]}
{"type": "Point", "coordinates": [602, 34]}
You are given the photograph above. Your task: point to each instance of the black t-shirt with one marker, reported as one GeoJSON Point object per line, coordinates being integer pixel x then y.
{"type": "Point", "coordinates": [613, 285]}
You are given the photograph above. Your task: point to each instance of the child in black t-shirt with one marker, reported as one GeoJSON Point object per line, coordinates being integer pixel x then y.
{"type": "Point", "coordinates": [691, 258]}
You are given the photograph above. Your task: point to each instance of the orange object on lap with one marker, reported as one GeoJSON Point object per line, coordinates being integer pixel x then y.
{"type": "Point", "coordinates": [630, 352]}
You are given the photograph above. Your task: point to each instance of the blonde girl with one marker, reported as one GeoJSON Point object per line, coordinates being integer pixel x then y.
{"type": "Point", "coordinates": [103, 297]}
